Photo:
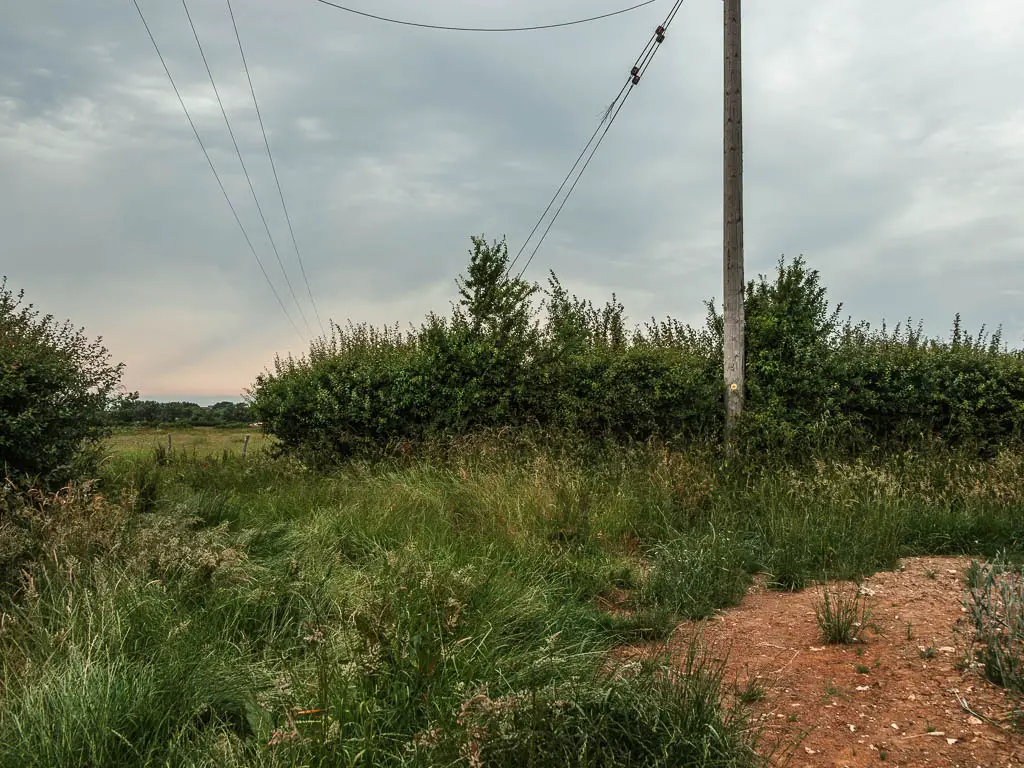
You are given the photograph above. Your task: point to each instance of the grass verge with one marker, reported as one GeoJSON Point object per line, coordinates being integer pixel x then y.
{"type": "Point", "coordinates": [450, 609]}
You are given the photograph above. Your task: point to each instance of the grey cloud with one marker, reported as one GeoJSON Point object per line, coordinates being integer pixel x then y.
{"type": "Point", "coordinates": [880, 143]}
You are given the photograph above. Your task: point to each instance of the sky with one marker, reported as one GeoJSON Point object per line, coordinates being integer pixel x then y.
{"type": "Point", "coordinates": [883, 141]}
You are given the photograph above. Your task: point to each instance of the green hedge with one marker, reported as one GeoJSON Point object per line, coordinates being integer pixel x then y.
{"type": "Point", "coordinates": [503, 359]}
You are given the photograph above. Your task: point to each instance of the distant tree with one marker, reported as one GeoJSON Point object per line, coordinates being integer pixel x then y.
{"type": "Point", "coordinates": [55, 389]}
{"type": "Point", "coordinates": [227, 412]}
{"type": "Point", "coordinates": [135, 412]}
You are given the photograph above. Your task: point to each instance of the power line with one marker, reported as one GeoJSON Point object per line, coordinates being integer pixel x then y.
{"type": "Point", "coordinates": [566, 179]}
{"type": "Point", "coordinates": [213, 168]}
{"type": "Point", "coordinates": [643, 61]}
{"type": "Point", "coordinates": [607, 113]}
{"type": "Point", "coordinates": [568, 194]}
{"type": "Point", "coordinates": [608, 125]}
{"type": "Point", "coordinates": [639, 66]}
{"type": "Point", "coordinates": [608, 118]}
{"type": "Point", "coordinates": [447, 28]}
{"type": "Point", "coordinates": [273, 166]}
{"type": "Point", "coordinates": [245, 170]}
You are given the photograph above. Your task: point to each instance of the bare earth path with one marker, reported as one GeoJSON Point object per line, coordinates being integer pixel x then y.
{"type": "Point", "coordinates": [890, 701]}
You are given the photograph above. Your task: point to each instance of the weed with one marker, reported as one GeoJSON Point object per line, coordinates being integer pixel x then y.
{"type": "Point", "coordinates": [753, 690]}
{"type": "Point", "coordinates": [862, 669]}
{"type": "Point", "coordinates": [841, 614]}
{"type": "Point", "coordinates": [995, 604]}
{"type": "Point", "coordinates": [974, 576]}
{"type": "Point", "coordinates": [605, 722]}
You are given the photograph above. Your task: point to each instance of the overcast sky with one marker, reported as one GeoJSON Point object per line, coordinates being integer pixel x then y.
{"type": "Point", "coordinates": [884, 141]}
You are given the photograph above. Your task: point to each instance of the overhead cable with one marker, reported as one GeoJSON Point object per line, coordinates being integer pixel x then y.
{"type": "Point", "coordinates": [447, 28]}
{"type": "Point", "coordinates": [637, 72]}
{"type": "Point", "coordinates": [245, 170]}
{"type": "Point", "coordinates": [213, 168]}
{"type": "Point", "coordinates": [273, 167]}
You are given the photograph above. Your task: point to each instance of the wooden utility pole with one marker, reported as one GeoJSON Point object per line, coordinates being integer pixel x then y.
{"type": "Point", "coordinates": [732, 263]}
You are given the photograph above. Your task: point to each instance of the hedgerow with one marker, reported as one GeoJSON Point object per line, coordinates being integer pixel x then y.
{"type": "Point", "coordinates": [516, 355]}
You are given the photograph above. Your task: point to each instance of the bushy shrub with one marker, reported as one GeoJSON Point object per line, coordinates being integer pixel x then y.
{"type": "Point", "coordinates": [816, 384]}
{"type": "Point", "coordinates": [503, 360]}
{"type": "Point", "coordinates": [900, 386]}
{"type": "Point", "coordinates": [55, 387]}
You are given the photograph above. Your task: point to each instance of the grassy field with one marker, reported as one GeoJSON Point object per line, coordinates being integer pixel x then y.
{"type": "Point", "coordinates": [437, 611]}
{"type": "Point", "coordinates": [194, 441]}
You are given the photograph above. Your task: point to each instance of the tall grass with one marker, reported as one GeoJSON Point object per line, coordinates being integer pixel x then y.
{"type": "Point", "coordinates": [441, 610]}
{"type": "Point", "coordinates": [994, 602]}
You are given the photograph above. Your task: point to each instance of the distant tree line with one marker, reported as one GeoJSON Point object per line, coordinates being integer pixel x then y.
{"type": "Point", "coordinates": [134, 412]}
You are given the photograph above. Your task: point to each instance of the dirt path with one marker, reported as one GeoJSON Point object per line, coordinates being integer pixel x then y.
{"type": "Point", "coordinates": [890, 701]}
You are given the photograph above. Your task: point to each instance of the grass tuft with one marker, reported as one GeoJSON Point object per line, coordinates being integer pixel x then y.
{"type": "Point", "coordinates": [842, 614]}
{"type": "Point", "coordinates": [995, 603]}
